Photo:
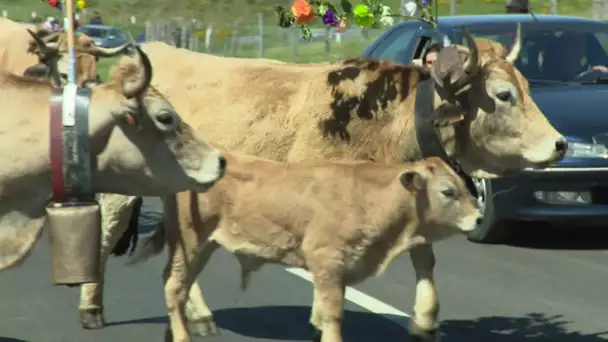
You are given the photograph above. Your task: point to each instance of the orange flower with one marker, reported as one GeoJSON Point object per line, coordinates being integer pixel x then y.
{"type": "Point", "coordinates": [303, 12]}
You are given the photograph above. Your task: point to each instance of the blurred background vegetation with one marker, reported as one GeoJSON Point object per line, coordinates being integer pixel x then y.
{"type": "Point", "coordinates": [230, 16]}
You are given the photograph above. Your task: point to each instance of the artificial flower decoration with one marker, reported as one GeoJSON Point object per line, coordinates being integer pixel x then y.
{"type": "Point", "coordinates": [367, 13]}
{"type": "Point", "coordinates": [303, 12]}
{"type": "Point", "coordinates": [362, 16]}
{"type": "Point", "coordinates": [330, 18]}
{"type": "Point", "coordinates": [386, 18]}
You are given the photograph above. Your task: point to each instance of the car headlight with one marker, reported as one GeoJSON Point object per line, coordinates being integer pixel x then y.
{"type": "Point", "coordinates": [582, 150]}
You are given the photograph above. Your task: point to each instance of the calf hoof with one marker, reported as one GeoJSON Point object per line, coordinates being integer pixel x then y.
{"type": "Point", "coordinates": [204, 326]}
{"type": "Point", "coordinates": [318, 336]}
{"type": "Point", "coordinates": [91, 318]}
{"type": "Point", "coordinates": [168, 335]}
{"type": "Point", "coordinates": [417, 334]}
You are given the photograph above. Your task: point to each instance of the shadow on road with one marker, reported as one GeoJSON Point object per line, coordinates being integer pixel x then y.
{"type": "Point", "coordinates": [10, 339]}
{"type": "Point", "coordinates": [148, 320]}
{"type": "Point", "coordinates": [545, 236]}
{"type": "Point", "coordinates": [291, 323]}
{"type": "Point", "coordinates": [534, 327]}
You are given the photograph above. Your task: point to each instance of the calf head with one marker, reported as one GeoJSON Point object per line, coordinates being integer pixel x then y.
{"type": "Point", "coordinates": [140, 140]}
{"type": "Point", "coordinates": [51, 49]}
{"type": "Point", "coordinates": [444, 205]}
{"type": "Point", "coordinates": [495, 125]}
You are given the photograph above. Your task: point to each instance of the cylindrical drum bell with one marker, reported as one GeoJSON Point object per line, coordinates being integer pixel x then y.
{"type": "Point", "coordinates": [74, 233]}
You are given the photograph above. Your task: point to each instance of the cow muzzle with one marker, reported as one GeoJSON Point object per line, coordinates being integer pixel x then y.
{"type": "Point", "coordinates": [212, 169]}
{"type": "Point", "coordinates": [548, 151]}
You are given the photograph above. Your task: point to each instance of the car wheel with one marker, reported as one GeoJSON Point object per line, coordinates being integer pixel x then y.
{"type": "Point", "coordinates": [491, 229]}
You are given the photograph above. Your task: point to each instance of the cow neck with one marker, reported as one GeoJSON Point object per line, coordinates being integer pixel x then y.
{"type": "Point", "coordinates": [427, 136]}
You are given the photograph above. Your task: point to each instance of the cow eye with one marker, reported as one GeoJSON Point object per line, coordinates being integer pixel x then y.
{"type": "Point", "coordinates": [165, 118]}
{"type": "Point", "coordinates": [504, 96]}
{"type": "Point", "coordinates": [449, 192]}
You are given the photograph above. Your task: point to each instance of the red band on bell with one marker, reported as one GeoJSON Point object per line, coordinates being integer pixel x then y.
{"type": "Point", "coordinates": [56, 150]}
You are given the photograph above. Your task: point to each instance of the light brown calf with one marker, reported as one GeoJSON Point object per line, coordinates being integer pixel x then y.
{"type": "Point", "coordinates": [348, 110]}
{"type": "Point", "coordinates": [342, 221]}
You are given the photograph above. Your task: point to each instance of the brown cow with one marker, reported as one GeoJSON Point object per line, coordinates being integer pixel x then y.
{"type": "Point", "coordinates": [138, 144]}
{"type": "Point", "coordinates": [342, 221]}
{"type": "Point", "coordinates": [21, 55]}
{"type": "Point", "coordinates": [352, 109]}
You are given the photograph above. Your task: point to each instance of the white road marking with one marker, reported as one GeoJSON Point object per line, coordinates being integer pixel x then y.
{"type": "Point", "coordinates": [361, 299]}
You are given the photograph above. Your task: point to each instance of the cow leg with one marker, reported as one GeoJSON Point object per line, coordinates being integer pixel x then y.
{"type": "Point", "coordinates": [199, 316]}
{"type": "Point", "coordinates": [423, 325]}
{"type": "Point", "coordinates": [328, 305]}
{"type": "Point", "coordinates": [115, 212]}
{"type": "Point", "coordinates": [175, 276]}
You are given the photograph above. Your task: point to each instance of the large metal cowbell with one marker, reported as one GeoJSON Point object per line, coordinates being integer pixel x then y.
{"type": "Point", "coordinates": [74, 216]}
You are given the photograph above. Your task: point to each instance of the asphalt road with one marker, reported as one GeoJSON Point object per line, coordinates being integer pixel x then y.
{"type": "Point", "coordinates": [550, 286]}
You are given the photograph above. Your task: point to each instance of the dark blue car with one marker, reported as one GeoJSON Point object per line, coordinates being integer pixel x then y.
{"type": "Point", "coordinates": [564, 59]}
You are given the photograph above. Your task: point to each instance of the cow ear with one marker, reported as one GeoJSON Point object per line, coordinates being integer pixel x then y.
{"type": "Point", "coordinates": [447, 114]}
{"type": "Point", "coordinates": [412, 180]}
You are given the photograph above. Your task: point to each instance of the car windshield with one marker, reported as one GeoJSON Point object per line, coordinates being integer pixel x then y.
{"type": "Point", "coordinates": [95, 32]}
{"type": "Point", "coordinates": [554, 53]}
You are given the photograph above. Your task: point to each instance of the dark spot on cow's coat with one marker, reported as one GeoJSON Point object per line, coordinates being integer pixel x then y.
{"type": "Point", "coordinates": [385, 83]}
{"type": "Point", "coordinates": [336, 77]}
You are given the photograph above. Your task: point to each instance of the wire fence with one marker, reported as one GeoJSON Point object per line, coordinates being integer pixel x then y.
{"type": "Point", "coordinates": [256, 39]}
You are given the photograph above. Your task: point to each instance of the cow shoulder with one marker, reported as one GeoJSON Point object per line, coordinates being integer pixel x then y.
{"type": "Point", "coordinates": [364, 90]}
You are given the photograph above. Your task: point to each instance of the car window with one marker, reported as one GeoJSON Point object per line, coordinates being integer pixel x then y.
{"type": "Point", "coordinates": [554, 53]}
{"type": "Point", "coordinates": [94, 32]}
{"type": "Point", "coordinates": [115, 32]}
{"type": "Point", "coordinates": [397, 46]}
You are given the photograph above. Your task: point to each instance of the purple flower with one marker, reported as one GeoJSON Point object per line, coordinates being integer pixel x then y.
{"type": "Point", "coordinates": [424, 2]}
{"type": "Point", "coordinates": [330, 18]}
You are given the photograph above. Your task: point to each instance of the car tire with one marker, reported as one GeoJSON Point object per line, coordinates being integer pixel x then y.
{"type": "Point", "coordinates": [491, 230]}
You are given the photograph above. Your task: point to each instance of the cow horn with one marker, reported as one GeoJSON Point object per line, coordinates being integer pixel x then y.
{"type": "Point", "coordinates": [41, 44]}
{"type": "Point", "coordinates": [473, 58]}
{"type": "Point", "coordinates": [51, 37]}
{"type": "Point", "coordinates": [106, 52]}
{"type": "Point", "coordinates": [144, 78]}
{"type": "Point", "coordinates": [514, 53]}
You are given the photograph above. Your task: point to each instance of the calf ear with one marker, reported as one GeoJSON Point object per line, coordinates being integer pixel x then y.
{"type": "Point", "coordinates": [447, 114]}
{"type": "Point", "coordinates": [412, 180]}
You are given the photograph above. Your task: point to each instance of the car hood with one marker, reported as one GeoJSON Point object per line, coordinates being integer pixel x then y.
{"type": "Point", "coordinates": [577, 111]}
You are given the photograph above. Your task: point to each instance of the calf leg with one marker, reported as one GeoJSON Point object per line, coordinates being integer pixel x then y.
{"type": "Point", "coordinates": [423, 325]}
{"type": "Point", "coordinates": [116, 211]}
{"type": "Point", "coordinates": [328, 305]}
{"type": "Point", "coordinates": [199, 316]}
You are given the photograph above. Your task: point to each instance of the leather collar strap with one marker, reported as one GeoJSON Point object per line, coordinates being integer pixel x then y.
{"type": "Point", "coordinates": [426, 134]}
{"type": "Point", "coordinates": [69, 150]}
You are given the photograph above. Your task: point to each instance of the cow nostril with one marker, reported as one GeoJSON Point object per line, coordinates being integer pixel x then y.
{"type": "Point", "coordinates": [222, 162]}
{"type": "Point", "coordinates": [561, 145]}
{"type": "Point", "coordinates": [479, 220]}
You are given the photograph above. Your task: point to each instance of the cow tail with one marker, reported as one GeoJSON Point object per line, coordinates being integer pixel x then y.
{"type": "Point", "coordinates": [131, 234]}
{"type": "Point", "coordinates": [150, 247]}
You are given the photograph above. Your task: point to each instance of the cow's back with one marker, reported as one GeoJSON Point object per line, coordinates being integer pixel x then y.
{"type": "Point", "coordinates": [251, 106]}
{"type": "Point", "coordinates": [14, 42]}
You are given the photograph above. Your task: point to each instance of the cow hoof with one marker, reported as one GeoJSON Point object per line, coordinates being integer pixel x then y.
{"type": "Point", "coordinates": [204, 326]}
{"type": "Point", "coordinates": [417, 334]}
{"type": "Point", "coordinates": [91, 318]}
{"type": "Point", "coordinates": [168, 335]}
